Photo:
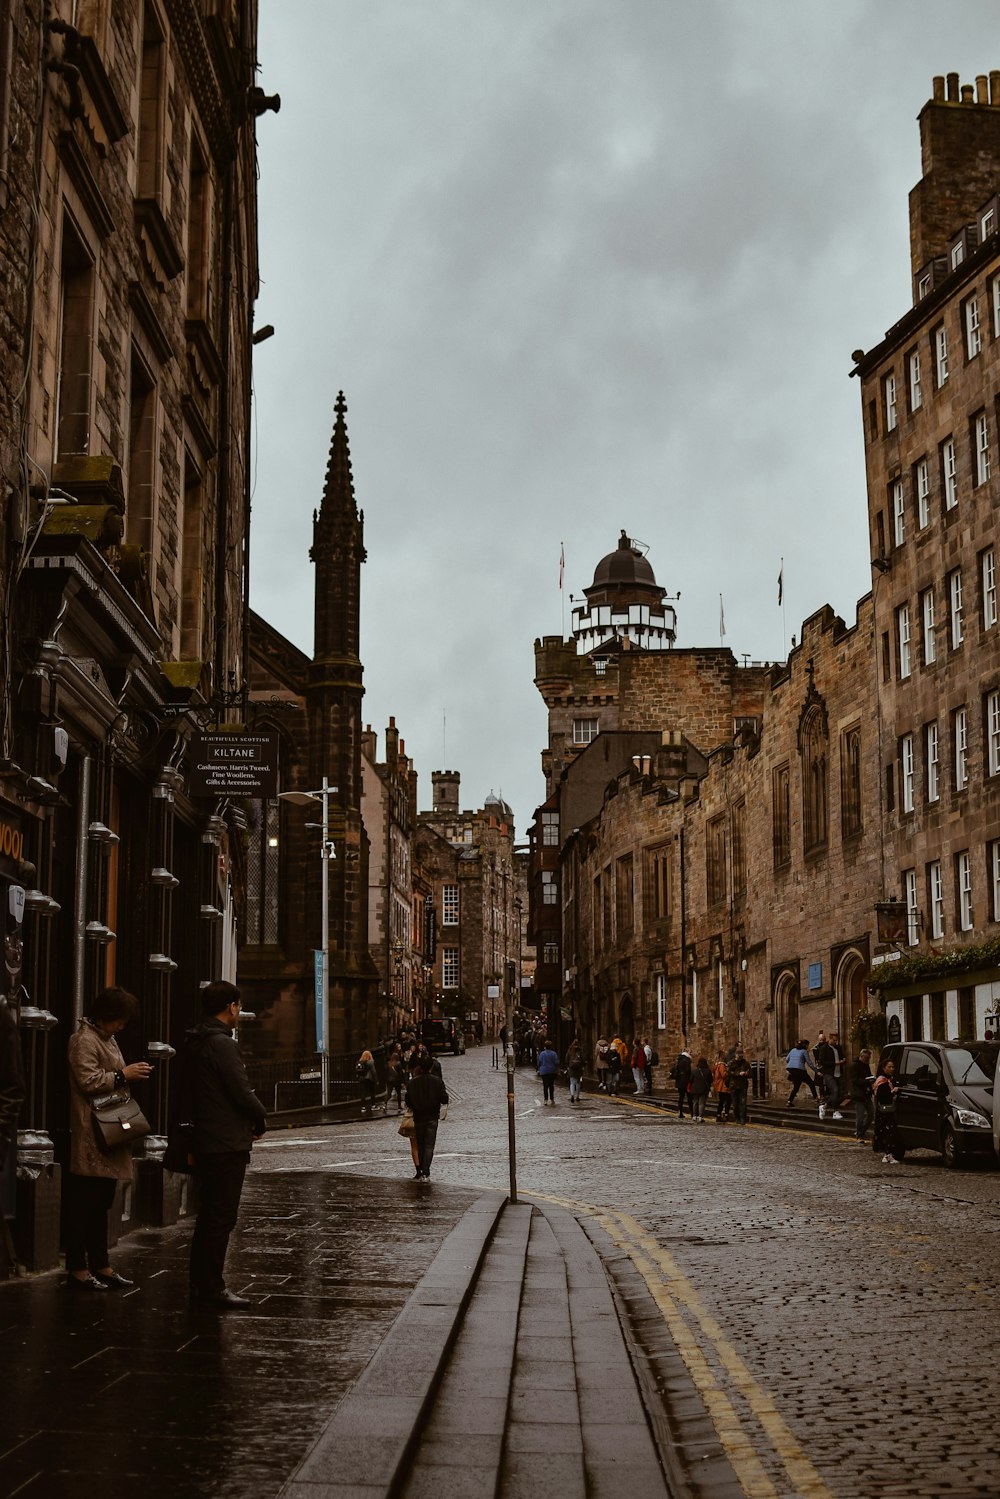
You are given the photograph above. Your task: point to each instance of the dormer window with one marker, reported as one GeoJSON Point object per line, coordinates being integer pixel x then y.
{"type": "Point", "coordinates": [957, 255]}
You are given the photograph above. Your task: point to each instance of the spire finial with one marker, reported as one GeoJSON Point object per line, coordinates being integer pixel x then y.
{"type": "Point", "coordinates": [338, 491]}
{"type": "Point", "coordinates": [340, 405]}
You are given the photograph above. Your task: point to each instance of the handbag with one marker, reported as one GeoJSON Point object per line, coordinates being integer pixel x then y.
{"type": "Point", "coordinates": [407, 1128]}
{"type": "Point", "coordinates": [118, 1120]}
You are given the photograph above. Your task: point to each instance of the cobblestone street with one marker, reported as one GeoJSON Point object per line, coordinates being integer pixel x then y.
{"type": "Point", "coordinates": [857, 1298]}
{"type": "Point", "coordinates": [835, 1316]}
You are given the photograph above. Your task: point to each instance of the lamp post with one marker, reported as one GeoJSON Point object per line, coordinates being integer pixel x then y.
{"type": "Point", "coordinates": [326, 853]}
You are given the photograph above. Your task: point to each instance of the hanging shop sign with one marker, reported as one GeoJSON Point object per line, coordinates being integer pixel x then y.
{"type": "Point", "coordinates": [238, 764]}
{"type": "Point", "coordinates": [11, 843]}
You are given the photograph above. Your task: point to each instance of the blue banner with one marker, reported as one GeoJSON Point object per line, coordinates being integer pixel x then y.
{"type": "Point", "coordinates": [320, 1001]}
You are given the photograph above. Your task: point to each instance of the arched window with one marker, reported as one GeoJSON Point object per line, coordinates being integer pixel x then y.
{"type": "Point", "coordinates": [814, 751]}
{"type": "Point", "coordinates": [786, 1013]}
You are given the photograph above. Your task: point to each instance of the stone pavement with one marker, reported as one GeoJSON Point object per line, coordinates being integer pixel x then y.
{"type": "Point", "coordinates": [404, 1340]}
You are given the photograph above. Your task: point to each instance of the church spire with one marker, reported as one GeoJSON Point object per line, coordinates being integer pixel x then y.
{"type": "Point", "coordinates": [338, 491]}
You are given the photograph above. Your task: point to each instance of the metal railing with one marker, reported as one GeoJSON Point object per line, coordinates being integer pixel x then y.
{"type": "Point", "coordinates": [290, 1083]}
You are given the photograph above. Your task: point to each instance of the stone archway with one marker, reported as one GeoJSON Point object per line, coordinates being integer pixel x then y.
{"type": "Point", "coordinates": [626, 1017]}
{"type": "Point", "coordinates": [850, 990]}
{"type": "Point", "coordinates": [786, 1013]}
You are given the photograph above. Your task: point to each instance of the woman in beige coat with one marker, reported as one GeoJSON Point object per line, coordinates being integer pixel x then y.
{"type": "Point", "coordinates": [96, 1066]}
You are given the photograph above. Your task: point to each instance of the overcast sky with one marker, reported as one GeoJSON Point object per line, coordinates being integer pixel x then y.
{"type": "Point", "coordinates": [578, 266]}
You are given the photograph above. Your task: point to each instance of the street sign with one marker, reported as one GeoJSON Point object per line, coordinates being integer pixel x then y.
{"type": "Point", "coordinates": [235, 764]}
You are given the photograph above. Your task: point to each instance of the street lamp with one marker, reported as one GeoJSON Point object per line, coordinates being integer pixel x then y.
{"type": "Point", "coordinates": [326, 853]}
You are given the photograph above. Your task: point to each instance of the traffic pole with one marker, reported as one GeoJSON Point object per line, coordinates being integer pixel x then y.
{"type": "Point", "coordinates": [509, 1058]}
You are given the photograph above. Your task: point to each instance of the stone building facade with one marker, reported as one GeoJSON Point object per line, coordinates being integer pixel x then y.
{"type": "Point", "coordinates": [128, 227]}
{"type": "Point", "coordinates": [388, 810]}
{"type": "Point", "coordinates": [723, 881]}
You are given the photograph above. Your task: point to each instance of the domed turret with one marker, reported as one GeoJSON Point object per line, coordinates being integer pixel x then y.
{"type": "Point", "coordinates": [625, 608]}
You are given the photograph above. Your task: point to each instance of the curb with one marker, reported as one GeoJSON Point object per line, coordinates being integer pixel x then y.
{"type": "Point", "coordinates": [343, 1462]}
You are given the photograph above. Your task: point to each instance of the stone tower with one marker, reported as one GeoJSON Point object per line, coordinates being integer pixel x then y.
{"type": "Point", "coordinates": [334, 698]}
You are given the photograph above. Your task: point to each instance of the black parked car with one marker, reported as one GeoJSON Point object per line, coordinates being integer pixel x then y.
{"type": "Point", "coordinates": [945, 1097]}
{"type": "Point", "coordinates": [442, 1035]}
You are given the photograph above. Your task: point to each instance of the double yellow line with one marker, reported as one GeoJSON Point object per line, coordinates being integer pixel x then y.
{"type": "Point", "coordinates": [749, 1444]}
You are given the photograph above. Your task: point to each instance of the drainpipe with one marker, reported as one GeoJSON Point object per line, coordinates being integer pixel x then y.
{"type": "Point", "coordinates": [80, 887]}
{"type": "Point", "coordinates": [684, 1010]}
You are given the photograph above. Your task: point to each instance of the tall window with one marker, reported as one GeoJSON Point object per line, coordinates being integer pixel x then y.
{"type": "Point", "coordinates": [949, 480]}
{"type": "Point", "coordinates": [996, 306]}
{"type": "Point", "coordinates": [960, 729]}
{"type": "Point", "coordinates": [584, 730]}
{"type": "Point", "coordinates": [955, 602]}
{"type": "Point", "coordinates": [850, 782]}
{"type": "Point", "coordinates": [199, 233]}
{"type": "Point", "coordinates": [916, 395]}
{"type": "Point", "coordinates": [715, 859]}
{"type": "Point", "coordinates": [720, 989]}
{"type": "Point", "coordinates": [903, 637]}
{"type": "Point", "coordinates": [658, 886]}
{"type": "Point", "coordinates": [191, 564]}
{"type": "Point", "coordinates": [935, 898]}
{"type": "Point", "coordinates": [151, 106]}
{"type": "Point", "coordinates": [814, 768]}
{"type": "Point", "coordinates": [906, 772]}
{"type": "Point", "coordinates": [76, 345]}
{"type": "Point", "coordinates": [739, 848]}
{"type": "Point", "coordinates": [931, 753]}
{"type": "Point", "coordinates": [981, 439]}
{"type": "Point", "coordinates": [890, 402]}
{"type": "Point", "coordinates": [781, 815]}
{"type": "Point", "coordinates": [922, 483]}
{"type": "Point", "coordinates": [661, 1001]}
{"type": "Point", "coordinates": [550, 952]}
{"type": "Point", "coordinates": [140, 524]}
{"type": "Point", "coordinates": [927, 616]}
{"type": "Point", "coordinates": [550, 829]}
{"type": "Point", "coordinates": [989, 568]}
{"type": "Point", "coordinates": [624, 896]}
{"type": "Point", "coordinates": [449, 968]}
{"type": "Point", "coordinates": [449, 905]}
{"type": "Point", "coordinates": [940, 340]}
{"type": "Point", "coordinates": [550, 891]}
{"type": "Point", "coordinates": [898, 513]}
{"type": "Point", "coordinates": [992, 725]}
{"type": "Point", "coordinates": [993, 873]}
{"type": "Point", "coordinates": [973, 332]}
{"type": "Point", "coordinates": [963, 889]}
{"type": "Point", "coordinates": [912, 913]}
{"type": "Point", "coordinates": [262, 872]}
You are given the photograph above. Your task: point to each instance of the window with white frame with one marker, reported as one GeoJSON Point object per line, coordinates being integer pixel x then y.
{"type": "Point", "coordinates": [916, 395]}
{"type": "Point", "coordinates": [550, 829]}
{"type": "Point", "coordinates": [923, 287]}
{"type": "Point", "coordinates": [661, 1001]}
{"type": "Point", "coordinates": [949, 479]}
{"type": "Point", "coordinates": [922, 478]}
{"type": "Point", "coordinates": [961, 748]}
{"type": "Point", "coordinates": [720, 988]}
{"type": "Point", "coordinates": [890, 402]}
{"type": "Point", "coordinates": [935, 898]}
{"type": "Point", "coordinates": [906, 771]}
{"type": "Point", "coordinates": [550, 952]}
{"type": "Point", "coordinates": [973, 332]}
{"type": "Point", "coordinates": [996, 306]}
{"type": "Point", "coordinates": [941, 354]}
{"type": "Point", "coordinates": [987, 223]}
{"type": "Point", "coordinates": [903, 634]}
{"type": "Point", "coordinates": [584, 730]}
{"type": "Point", "coordinates": [963, 885]}
{"type": "Point", "coordinates": [993, 733]}
{"type": "Point", "coordinates": [989, 588]}
{"type": "Point", "coordinates": [981, 434]}
{"type": "Point", "coordinates": [933, 762]}
{"type": "Point", "coordinates": [694, 996]}
{"type": "Point", "coordinates": [550, 892]}
{"type": "Point", "coordinates": [957, 255]}
{"type": "Point", "coordinates": [449, 968]}
{"type": "Point", "coordinates": [898, 513]}
{"type": "Point", "coordinates": [927, 617]}
{"type": "Point", "coordinates": [993, 870]}
{"type": "Point", "coordinates": [955, 601]}
{"type": "Point", "coordinates": [912, 911]}
{"type": "Point", "coordinates": [449, 905]}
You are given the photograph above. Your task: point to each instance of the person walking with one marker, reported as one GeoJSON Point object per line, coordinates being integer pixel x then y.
{"type": "Point", "coordinates": [799, 1070]}
{"type": "Point", "coordinates": [681, 1074]}
{"type": "Point", "coordinates": [394, 1078]}
{"type": "Point", "coordinates": [367, 1081]}
{"type": "Point", "coordinates": [96, 1067]}
{"type": "Point", "coordinates": [228, 1117]}
{"type": "Point", "coordinates": [860, 1085]}
{"type": "Point", "coordinates": [720, 1086]}
{"type": "Point", "coordinates": [426, 1095]}
{"type": "Point", "coordinates": [614, 1070]}
{"type": "Point", "coordinates": [651, 1060]}
{"type": "Point", "coordinates": [701, 1086]}
{"type": "Point", "coordinates": [738, 1079]}
{"type": "Point", "coordinates": [884, 1100]}
{"type": "Point", "coordinates": [825, 1058]}
{"type": "Point", "coordinates": [574, 1065]}
{"type": "Point", "coordinates": [601, 1064]}
{"type": "Point", "coordinates": [638, 1065]}
{"type": "Point", "coordinates": [548, 1066]}
{"type": "Point", "coordinates": [838, 1073]}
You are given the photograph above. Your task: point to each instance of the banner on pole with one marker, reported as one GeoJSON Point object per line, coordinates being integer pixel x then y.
{"type": "Point", "coordinates": [320, 992]}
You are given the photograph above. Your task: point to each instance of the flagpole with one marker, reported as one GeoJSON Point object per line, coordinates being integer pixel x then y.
{"type": "Point", "coordinates": [784, 633]}
{"type": "Point", "coordinates": [562, 592]}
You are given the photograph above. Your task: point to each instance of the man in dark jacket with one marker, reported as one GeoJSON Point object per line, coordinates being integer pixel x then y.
{"type": "Point", "coordinates": [228, 1117]}
{"type": "Point", "coordinates": [425, 1095]}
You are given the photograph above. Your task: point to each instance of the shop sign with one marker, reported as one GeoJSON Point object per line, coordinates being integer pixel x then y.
{"type": "Point", "coordinates": [234, 765]}
{"type": "Point", "coordinates": [11, 844]}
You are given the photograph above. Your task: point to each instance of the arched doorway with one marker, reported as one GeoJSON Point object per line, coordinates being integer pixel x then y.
{"type": "Point", "coordinates": [786, 1013]}
{"type": "Point", "coordinates": [626, 1017]}
{"type": "Point", "coordinates": [850, 992]}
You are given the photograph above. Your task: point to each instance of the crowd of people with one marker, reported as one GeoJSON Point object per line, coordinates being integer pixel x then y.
{"type": "Point", "coordinates": [834, 1083]}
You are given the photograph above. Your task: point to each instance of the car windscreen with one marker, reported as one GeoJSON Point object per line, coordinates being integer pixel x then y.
{"type": "Point", "coordinates": [973, 1066]}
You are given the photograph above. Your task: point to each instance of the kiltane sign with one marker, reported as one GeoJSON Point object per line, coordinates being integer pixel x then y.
{"type": "Point", "coordinates": [11, 843]}
{"type": "Point", "coordinates": [234, 765]}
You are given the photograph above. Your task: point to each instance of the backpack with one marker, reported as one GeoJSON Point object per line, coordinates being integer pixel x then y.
{"type": "Point", "coordinates": [655, 1059]}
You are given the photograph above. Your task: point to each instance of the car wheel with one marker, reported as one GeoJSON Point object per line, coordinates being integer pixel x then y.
{"type": "Point", "coordinates": [949, 1148]}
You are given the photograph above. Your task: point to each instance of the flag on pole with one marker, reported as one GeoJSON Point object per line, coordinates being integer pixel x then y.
{"type": "Point", "coordinates": [722, 620]}
{"type": "Point", "coordinates": [781, 581]}
{"type": "Point", "coordinates": [562, 564]}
